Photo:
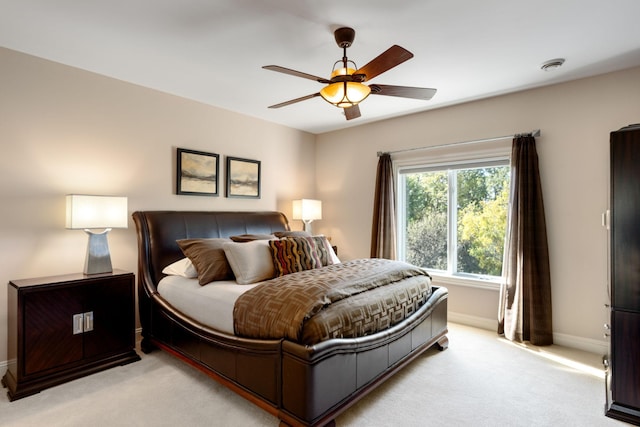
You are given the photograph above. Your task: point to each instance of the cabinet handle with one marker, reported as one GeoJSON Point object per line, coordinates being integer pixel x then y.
{"type": "Point", "coordinates": [78, 324]}
{"type": "Point", "coordinates": [88, 321]}
{"type": "Point", "coordinates": [82, 322]}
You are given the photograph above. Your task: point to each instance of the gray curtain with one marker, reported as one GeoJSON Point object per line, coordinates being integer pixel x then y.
{"type": "Point", "coordinates": [525, 295]}
{"type": "Point", "coordinates": [383, 232]}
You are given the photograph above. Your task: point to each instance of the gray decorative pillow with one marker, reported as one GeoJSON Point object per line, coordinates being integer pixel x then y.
{"type": "Point", "coordinates": [251, 261]}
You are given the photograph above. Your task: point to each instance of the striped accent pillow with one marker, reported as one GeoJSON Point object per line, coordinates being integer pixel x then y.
{"type": "Point", "coordinates": [293, 254]}
{"type": "Point", "coordinates": [323, 249]}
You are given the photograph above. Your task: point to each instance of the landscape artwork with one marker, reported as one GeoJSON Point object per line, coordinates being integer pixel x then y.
{"type": "Point", "coordinates": [197, 173]}
{"type": "Point", "coordinates": [243, 178]}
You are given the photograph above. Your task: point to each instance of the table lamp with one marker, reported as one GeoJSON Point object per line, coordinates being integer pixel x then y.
{"type": "Point", "coordinates": [307, 210]}
{"type": "Point", "coordinates": [89, 213]}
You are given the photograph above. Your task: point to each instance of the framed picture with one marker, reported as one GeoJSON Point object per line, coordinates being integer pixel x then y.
{"type": "Point", "coordinates": [243, 178]}
{"type": "Point", "coordinates": [197, 173]}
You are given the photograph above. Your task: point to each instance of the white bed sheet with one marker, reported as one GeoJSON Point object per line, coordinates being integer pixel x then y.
{"type": "Point", "coordinates": [211, 304]}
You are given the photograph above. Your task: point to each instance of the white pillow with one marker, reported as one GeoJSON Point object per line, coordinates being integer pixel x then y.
{"type": "Point", "coordinates": [334, 256]}
{"type": "Point", "coordinates": [183, 267]}
{"type": "Point", "coordinates": [251, 262]}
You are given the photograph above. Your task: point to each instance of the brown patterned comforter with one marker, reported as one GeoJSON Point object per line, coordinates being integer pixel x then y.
{"type": "Point", "coordinates": [346, 300]}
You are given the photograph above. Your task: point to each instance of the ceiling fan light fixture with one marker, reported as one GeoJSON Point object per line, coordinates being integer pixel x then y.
{"type": "Point", "coordinates": [345, 94]}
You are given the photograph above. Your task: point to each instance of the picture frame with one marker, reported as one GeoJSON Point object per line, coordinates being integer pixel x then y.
{"type": "Point", "coordinates": [197, 173]}
{"type": "Point", "coordinates": [243, 178]}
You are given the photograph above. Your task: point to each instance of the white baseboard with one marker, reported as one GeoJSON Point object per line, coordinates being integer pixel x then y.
{"type": "Point", "coordinates": [476, 322]}
{"type": "Point", "coordinates": [572, 341]}
{"type": "Point", "coordinates": [586, 344]}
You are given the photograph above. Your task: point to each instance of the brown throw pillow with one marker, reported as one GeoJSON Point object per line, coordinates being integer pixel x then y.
{"type": "Point", "coordinates": [208, 258]}
{"type": "Point", "coordinates": [251, 237]}
{"type": "Point", "coordinates": [281, 234]}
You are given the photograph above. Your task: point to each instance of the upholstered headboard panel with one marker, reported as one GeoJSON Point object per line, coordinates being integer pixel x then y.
{"type": "Point", "coordinates": [158, 231]}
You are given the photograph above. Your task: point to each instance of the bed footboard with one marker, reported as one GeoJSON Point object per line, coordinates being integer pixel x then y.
{"type": "Point", "coordinates": [319, 382]}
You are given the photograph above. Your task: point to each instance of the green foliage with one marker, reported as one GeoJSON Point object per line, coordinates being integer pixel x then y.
{"type": "Point", "coordinates": [426, 193]}
{"type": "Point", "coordinates": [426, 196]}
{"type": "Point", "coordinates": [483, 195]}
{"type": "Point", "coordinates": [427, 241]}
{"type": "Point", "coordinates": [481, 231]}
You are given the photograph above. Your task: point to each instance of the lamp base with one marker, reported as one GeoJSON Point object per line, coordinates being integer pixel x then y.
{"type": "Point", "coordinates": [98, 258]}
{"type": "Point", "coordinates": [307, 226]}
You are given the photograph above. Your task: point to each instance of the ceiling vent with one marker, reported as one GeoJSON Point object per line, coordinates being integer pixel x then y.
{"type": "Point", "coordinates": [552, 64]}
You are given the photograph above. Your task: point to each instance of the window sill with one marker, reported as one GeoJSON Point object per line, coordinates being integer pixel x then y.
{"type": "Point", "coordinates": [447, 279]}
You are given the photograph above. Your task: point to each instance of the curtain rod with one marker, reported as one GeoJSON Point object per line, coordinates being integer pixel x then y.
{"type": "Point", "coordinates": [533, 133]}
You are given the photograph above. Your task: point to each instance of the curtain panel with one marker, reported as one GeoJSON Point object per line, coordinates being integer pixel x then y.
{"type": "Point", "coordinates": [525, 294]}
{"type": "Point", "coordinates": [383, 232]}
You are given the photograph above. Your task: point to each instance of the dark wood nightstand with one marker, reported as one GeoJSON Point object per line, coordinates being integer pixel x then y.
{"type": "Point", "coordinates": [66, 327]}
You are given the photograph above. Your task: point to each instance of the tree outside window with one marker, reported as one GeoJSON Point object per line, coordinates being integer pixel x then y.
{"type": "Point", "coordinates": [455, 218]}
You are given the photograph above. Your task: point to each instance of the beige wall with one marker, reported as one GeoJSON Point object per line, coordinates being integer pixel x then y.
{"type": "Point", "coordinates": [575, 120]}
{"type": "Point", "coordinates": [64, 130]}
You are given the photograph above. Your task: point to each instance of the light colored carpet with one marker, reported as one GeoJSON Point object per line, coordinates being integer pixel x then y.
{"type": "Point", "coordinates": [480, 380]}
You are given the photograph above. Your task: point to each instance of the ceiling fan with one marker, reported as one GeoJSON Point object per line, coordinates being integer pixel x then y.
{"type": "Point", "coordinates": [345, 88]}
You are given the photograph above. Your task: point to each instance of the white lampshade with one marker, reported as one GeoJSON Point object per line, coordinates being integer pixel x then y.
{"type": "Point", "coordinates": [307, 209]}
{"type": "Point", "coordinates": [86, 212]}
{"type": "Point", "coordinates": [91, 212]}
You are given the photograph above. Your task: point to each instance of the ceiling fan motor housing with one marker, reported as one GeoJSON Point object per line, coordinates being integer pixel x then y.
{"type": "Point", "coordinates": [344, 36]}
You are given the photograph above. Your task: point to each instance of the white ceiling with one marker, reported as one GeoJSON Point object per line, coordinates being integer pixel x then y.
{"type": "Point", "coordinates": [212, 51]}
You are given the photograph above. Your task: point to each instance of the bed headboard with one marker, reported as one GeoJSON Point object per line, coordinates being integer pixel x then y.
{"type": "Point", "coordinates": [158, 231]}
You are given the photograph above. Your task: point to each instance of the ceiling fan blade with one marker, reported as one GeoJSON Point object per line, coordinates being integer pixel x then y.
{"type": "Point", "coordinates": [293, 101]}
{"type": "Point", "coordinates": [296, 73]}
{"type": "Point", "coordinates": [403, 91]}
{"type": "Point", "coordinates": [388, 59]}
{"type": "Point", "coordinates": [352, 112]}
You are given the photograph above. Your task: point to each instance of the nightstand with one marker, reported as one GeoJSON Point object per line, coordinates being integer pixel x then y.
{"type": "Point", "coordinates": [64, 327]}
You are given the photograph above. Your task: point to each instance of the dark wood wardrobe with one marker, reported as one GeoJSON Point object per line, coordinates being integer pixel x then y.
{"type": "Point", "coordinates": [624, 386]}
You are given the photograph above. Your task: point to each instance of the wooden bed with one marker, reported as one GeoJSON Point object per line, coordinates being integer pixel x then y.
{"type": "Point", "coordinates": [305, 385]}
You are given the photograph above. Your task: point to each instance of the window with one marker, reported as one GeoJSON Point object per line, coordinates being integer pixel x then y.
{"type": "Point", "coordinates": [453, 217]}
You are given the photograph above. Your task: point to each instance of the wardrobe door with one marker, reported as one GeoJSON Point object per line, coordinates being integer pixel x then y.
{"type": "Point", "coordinates": [625, 220]}
{"type": "Point", "coordinates": [625, 387]}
